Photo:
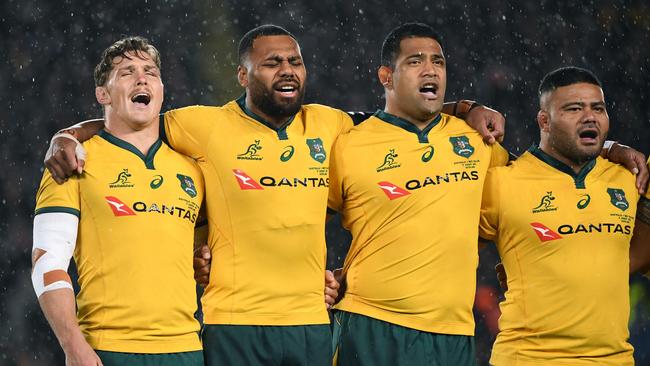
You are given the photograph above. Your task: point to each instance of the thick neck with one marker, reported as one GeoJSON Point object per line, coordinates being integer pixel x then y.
{"type": "Point", "coordinates": [393, 108]}
{"type": "Point", "coordinates": [277, 122]}
{"type": "Point", "coordinates": [142, 136]}
{"type": "Point", "coordinates": [549, 150]}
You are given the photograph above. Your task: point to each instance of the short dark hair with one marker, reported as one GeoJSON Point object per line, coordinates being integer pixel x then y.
{"type": "Point", "coordinates": [246, 42]}
{"type": "Point", "coordinates": [120, 48]}
{"type": "Point", "coordinates": [391, 47]}
{"type": "Point", "coordinates": [566, 76]}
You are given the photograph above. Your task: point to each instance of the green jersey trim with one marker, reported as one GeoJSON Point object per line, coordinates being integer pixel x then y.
{"type": "Point", "coordinates": [58, 209]}
{"type": "Point", "coordinates": [147, 159]}
{"type": "Point", "coordinates": [423, 135]}
{"type": "Point", "coordinates": [281, 131]}
{"type": "Point", "coordinates": [578, 178]}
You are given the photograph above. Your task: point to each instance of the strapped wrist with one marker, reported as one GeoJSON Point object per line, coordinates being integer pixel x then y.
{"type": "Point", "coordinates": [463, 107]}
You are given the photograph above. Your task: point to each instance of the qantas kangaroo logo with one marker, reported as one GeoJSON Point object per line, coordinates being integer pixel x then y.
{"type": "Point", "coordinates": [544, 233]}
{"type": "Point", "coordinates": [119, 208]}
{"type": "Point", "coordinates": [245, 182]}
{"type": "Point", "coordinates": [392, 191]}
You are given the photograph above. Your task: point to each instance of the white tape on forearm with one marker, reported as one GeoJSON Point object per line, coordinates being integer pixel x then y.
{"type": "Point", "coordinates": [79, 150]}
{"type": "Point", "coordinates": [56, 234]}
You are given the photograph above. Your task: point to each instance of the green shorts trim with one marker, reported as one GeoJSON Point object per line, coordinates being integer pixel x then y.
{"type": "Point", "coordinates": [194, 358]}
{"type": "Point", "coordinates": [360, 340]}
{"type": "Point", "coordinates": [251, 345]}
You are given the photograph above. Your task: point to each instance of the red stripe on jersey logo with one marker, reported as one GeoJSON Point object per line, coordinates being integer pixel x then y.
{"type": "Point", "coordinates": [392, 191]}
{"type": "Point", "coordinates": [119, 208]}
{"type": "Point", "coordinates": [544, 233]}
{"type": "Point", "coordinates": [245, 182]}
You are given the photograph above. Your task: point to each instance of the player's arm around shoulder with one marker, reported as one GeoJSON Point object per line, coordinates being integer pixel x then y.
{"type": "Point", "coordinates": [188, 130]}
{"type": "Point", "coordinates": [337, 173]}
{"type": "Point", "coordinates": [640, 243]}
{"type": "Point", "coordinates": [491, 205]}
{"type": "Point", "coordinates": [499, 155]}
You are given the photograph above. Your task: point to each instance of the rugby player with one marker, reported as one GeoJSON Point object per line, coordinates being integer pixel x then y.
{"type": "Point", "coordinates": [562, 219]}
{"type": "Point", "coordinates": [129, 220]}
{"type": "Point", "coordinates": [412, 204]}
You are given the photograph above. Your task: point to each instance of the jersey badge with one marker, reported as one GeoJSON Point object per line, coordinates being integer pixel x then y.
{"type": "Point", "coordinates": [617, 198]}
{"type": "Point", "coordinates": [122, 180]}
{"type": "Point", "coordinates": [187, 185]}
{"type": "Point", "coordinates": [462, 146]}
{"type": "Point", "coordinates": [392, 191]}
{"type": "Point", "coordinates": [316, 149]}
{"type": "Point", "coordinates": [544, 233]}
{"type": "Point", "coordinates": [546, 203]}
{"type": "Point", "coordinates": [389, 161]}
{"type": "Point", "coordinates": [251, 152]}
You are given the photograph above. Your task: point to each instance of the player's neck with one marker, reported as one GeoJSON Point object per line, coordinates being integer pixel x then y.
{"type": "Point", "coordinates": [576, 167]}
{"type": "Point", "coordinates": [140, 136]}
{"type": "Point", "coordinates": [275, 121]}
{"type": "Point", "coordinates": [421, 124]}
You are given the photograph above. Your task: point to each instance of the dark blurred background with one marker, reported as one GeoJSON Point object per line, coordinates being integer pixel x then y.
{"type": "Point", "coordinates": [497, 53]}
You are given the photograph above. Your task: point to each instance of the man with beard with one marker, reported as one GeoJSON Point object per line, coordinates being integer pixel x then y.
{"type": "Point", "coordinates": [562, 219]}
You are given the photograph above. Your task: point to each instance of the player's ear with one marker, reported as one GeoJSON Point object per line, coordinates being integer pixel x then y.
{"type": "Point", "coordinates": [102, 95]}
{"type": "Point", "coordinates": [543, 121]}
{"type": "Point", "coordinates": [385, 75]}
{"type": "Point", "coordinates": [242, 75]}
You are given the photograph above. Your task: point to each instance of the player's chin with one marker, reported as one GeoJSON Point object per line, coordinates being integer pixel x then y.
{"type": "Point", "coordinates": [143, 117]}
{"type": "Point", "coordinates": [591, 151]}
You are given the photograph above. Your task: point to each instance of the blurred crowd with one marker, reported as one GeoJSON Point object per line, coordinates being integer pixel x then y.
{"type": "Point", "coordinates": [497, 53]}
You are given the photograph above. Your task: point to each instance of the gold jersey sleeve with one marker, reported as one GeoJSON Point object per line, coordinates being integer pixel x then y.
{"type": "Point", "coordinates": [134, 245]}
{"type": "Point", "coordinates": [189, 129]}
{"type": "Point", "coordinates": [266, 202]}
{"type": "Point", "coordinates": [564, 241]}
{"type": "Point", "coordinates": [52, 197]}
{"type": "Point", "coordinates": [411, 199]}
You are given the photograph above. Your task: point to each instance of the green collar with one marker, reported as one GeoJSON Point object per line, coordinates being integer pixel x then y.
{"type": "Point", "coordinates": [578, 178]}
{"type": "Point", "coordinates": [148, 159]}
{"type": "Point", "coordinates": [423, 136]}
{"type": "Point", "coordinates": [282, 131]}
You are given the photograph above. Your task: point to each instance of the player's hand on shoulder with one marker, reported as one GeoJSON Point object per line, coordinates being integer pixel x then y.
{"type": "Point", "coordinates": [79, 353]}
{"type": "Point", "coordinates": [633, 160]}
{"type": "Point", "coordinates": [64, 157]}
{"type": "Point", "coordinates": [331, 289]}
{"type": "Point", "coordinates": [202, 264]}
{"type": "Point", "coordinates": [488, 122]}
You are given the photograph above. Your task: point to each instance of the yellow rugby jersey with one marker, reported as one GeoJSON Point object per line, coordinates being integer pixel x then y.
{"type": "Point", "coordinates": [564, 241]}
{"type": "Point", "coordinates": [412, 200]}
{"type": "Point", "coordinates": [266, 200]}
{"type": "Point", "coordinates": [134, 245]}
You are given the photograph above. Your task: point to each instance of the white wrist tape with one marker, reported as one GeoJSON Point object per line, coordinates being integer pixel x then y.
{"type": "Point", "coordinates": [79, 150]}
{"type": "Point", "coordinates": [56, 234]}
